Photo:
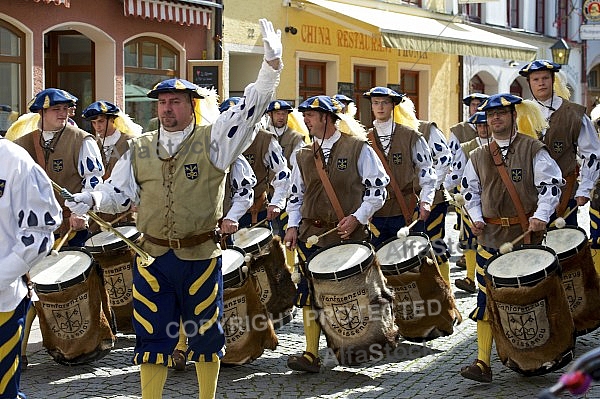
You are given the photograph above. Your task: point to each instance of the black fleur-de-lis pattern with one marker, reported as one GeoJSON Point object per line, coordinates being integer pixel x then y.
{"type": "Point", "coordinates": [30, 214]}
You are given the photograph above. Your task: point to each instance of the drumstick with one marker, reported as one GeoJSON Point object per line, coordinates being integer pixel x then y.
{"type": "Point", "coordinates": [560, 222]}
{"type": "Point", "coordinates": [59, 245]}
{"type": "Point", "coordinates": [244, 230]}
{"type": "Point", "coordinates": [460, 201]}
{"type": "Point", "coordinates": [405, 231]}
{"type": "Point", "coordinates": [508, 246]}
{"type": "Point", "coordinates": [146, 258]}
{"type": "Point", "coordinates": [312, 240]}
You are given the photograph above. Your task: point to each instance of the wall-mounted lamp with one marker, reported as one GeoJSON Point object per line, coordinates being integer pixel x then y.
{"type": "Point", "coordinates": [560, 52]}
{"type": "Point", "coordinates": [512, 63]}
{"type": "Point", "coordinates": [291, 29]}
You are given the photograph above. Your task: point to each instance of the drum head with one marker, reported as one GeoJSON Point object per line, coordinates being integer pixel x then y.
{"type": "Point", "coordinates": [107, 240]}
{"type": "Point", "coordinates": [232, 261]}
{"type": "Point", "coordinates": [253, 239]}
{"type": "Point", "coordinates": [57, 272]}
{"type": "Point", "coordinates": [340, 261]}
{"type": "Point", "coordinates": [524, 266]}
{"type": "Point", "coordinates": [399, 255]}
{"type": "Point", "coordinates": [566, 241]}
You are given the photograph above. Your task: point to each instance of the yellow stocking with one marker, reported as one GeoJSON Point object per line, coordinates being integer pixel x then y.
{"type": "Point", "coordinates": [182, 343]}
{"type": "Point", "coordinates": [208, 375]}
{"type": "Point", "coordinates": [470, 257]}
{"type": "Point", "coordinates": [484, 341]}
{"type": "Point", "coordinates": [445, 271]}
{"type": "Point", "coordinates": [596, 257]}
{"type": "Point", "coordinates": [312, 331]}
{"type": "Point", "coordinates": [153, 378]}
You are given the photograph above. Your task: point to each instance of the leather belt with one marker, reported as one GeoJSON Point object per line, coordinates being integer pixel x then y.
{"type": "Point", "coordinates": [178, 243]}
{"type": "Point", "coordinates": [320, 223]}
{"type": "Point", "coordinates": [505, 222]}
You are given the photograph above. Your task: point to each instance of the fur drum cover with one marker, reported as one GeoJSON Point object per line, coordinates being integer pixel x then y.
{"type": "Point", "coordinates": [532, 326]}
{"type": "Point", "coordinates": [356, 315]}
{"type": "Point", "coordinates": [424, 304]}
{"type": "Point", "coordinates": [117, 267]}
{"type": "Point", "coordinates": [580, 282]}
{"type": "Point", "coordinates": [274, 280]}
{"type": "Point", "coordinates": [74, 322]}
{"type": "Point", "coordinates": [248, 329]}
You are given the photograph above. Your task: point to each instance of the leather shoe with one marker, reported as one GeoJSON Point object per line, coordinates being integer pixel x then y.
{"type": "Point", "coordinates": [478, 371]}
{"type": "Point", "coordinates": [179, 360]}
{"type": "Point", "coordinates": [305, 362]}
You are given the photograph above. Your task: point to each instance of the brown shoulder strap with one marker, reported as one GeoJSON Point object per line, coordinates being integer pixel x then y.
{"type": "Point", "coordinates": [39, 153]}
{"type": "Point", "coordinates": [406, 212]}
{"type": "Point", "coordinates": [499, 162]}
{"type": "Point", "coordinates": [320, 165]}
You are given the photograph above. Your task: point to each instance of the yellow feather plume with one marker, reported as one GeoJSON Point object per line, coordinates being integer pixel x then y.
{"type": "Point", "coordinates": [26, 123]}
{"type": "Point", "coordinates": [404, 113]}
{"type": "Point", "coordinates": [296, 122]}
{"type": "Point", "coordinates": [530, 120]}
{"type": "Point", "coordinates": [126, 125]}
{"type": "Point", "coordinates": [560, 86]}
{"type": "Point", "coordinates": [350, 126]}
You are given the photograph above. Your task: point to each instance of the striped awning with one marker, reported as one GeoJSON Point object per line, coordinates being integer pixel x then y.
{"type": "Point", "coordinates": [164, 10]}
{"type": "Point", "coordinates": [66, 3]}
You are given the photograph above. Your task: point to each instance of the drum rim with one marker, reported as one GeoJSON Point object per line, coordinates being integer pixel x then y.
{"type": "Point", "coordinates": [523, 281]}
{"type": "Point", "coordinates": [406, 265]}
{"type": "Point", "coordinates": [58, 287]}
{"type": "Point", "coordinates": [351, 271]}
{"type": "Point", "coordinates": [573, 251]}
{"type": "Point", "coordinates": [98, 249]}
{"type": "Point", "coordinates": [254, 248]}
{"type": "Point", "coordinates": [236, 278]}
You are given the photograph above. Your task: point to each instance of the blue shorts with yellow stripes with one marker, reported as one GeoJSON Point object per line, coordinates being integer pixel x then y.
{"type": "Point", "coordinates": [11, 334]}
{"type": "Point", "coordinates": [594, 225]}
{"type": "Point", "coordinates": [303, 290]}
{"type": "Point", "coordinates": [435, 228]}
{"type": "Point", "coordinates": [483, 254]}
{"type": "Point", "coordinates": [170, 290]}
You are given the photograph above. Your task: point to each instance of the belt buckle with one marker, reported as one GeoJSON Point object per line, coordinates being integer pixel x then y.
{"type": "Point", "coordinates": [317, 223]}
{"type": "Point", "coordinates": [175, 241]}
{"type": "Point", "coordinates": [505, 222]}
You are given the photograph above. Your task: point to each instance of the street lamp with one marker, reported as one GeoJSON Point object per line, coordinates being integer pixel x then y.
{"type": "Point", "coordinates": [560, 52]}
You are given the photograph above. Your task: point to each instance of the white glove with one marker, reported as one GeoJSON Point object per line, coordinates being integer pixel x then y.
{"type": "Point", "coordinates": [271, 40]}
{"type": "Point", "coordinates": [82, 202]}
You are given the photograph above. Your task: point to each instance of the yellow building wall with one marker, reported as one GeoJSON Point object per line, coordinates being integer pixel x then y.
{"type": "Point", "coordinates": [347, 42]}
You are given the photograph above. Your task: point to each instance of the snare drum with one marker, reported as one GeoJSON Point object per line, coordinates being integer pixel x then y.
{"type": "Point", "coordinates": [73, 307]}
{"type": "Point", "coordinates": [353, 303]}
{"type": "Point", "coordinates": [275, 287]}
{"type": "Point", "coordinates": [424, 304]}
{"type": "Point", "coordinates": [116, 259]}
{"type": "Point", "coordinates": [248, 329]}
{"type": "Point", "coordinates": [526, 302]}
{"type": "Point", "coordinates": [578, 276]}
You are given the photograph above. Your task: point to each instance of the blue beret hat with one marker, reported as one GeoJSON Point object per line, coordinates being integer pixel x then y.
{"type": "Point", "coordinates": [343, 98]}
{"type": "Point", "coordinates": [50, 97]}
{"type": "Point", "coordinates": [478, 118]}
{"type": "Point", "coordinates": [384, 92]}
{"type": "Point", "coordinates": [100, 108]}
{"type": "Point", "coordinates": [473, 96]}
{"type": "Point", "coordinates": [539, 65]}
{"type": "Point", "coordinates": [175, 85]}
{"type": "Point", "coordinates": [500, 100]}
{"type": "Point", "coordinates": [279, 105]}
{"type": "Point", "coordinates": [321, 103]}
{"type": "Point", "coordinates": [230, 102]}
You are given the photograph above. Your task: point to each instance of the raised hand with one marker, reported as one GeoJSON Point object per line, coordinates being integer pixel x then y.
{"type": "Point", "coordinates": [271, 40]}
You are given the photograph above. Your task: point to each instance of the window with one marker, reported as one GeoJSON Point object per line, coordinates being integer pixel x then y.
{"type": "Point", "coordinates": [148, 61]}
{"type": "Point", "coordinates": [473, 12]}
{"type": "Point", "coordinates": [409, 83]}
{"type": "Point", "coordinates": [476, 85]}
{"type": "Point", "coordinates": [516, 89]}
{"type": "Point", "coordinates": [364, 80]}
{"type": "Point", "coordinates": [513, 13]}
{"type": "Point", "coordinates": [540, 20]}
{"type": "Point", "coordinates": [593, 79]}
{"type": "Point", "coordinates": [12, 64]}
{"type": "Point", "coordinates": [312, 79]}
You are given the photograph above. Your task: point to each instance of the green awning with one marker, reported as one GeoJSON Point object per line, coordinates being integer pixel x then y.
{"type": "Point", "coordinates": [410, 32]}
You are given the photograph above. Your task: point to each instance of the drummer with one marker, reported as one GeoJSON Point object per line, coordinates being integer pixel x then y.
{"type": "Point", "coordinates": [112, 128]}
{"type": "Point", "coordinates": [266, 158]}
{"type": "Point", "coordinates": [24, 188]}
{"type": "Point", "coordinates": [358, 181]}
{"type": "Point", "coordinates": [396, 137]}
{"type": "Point", "coordinates": [494, 214]}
